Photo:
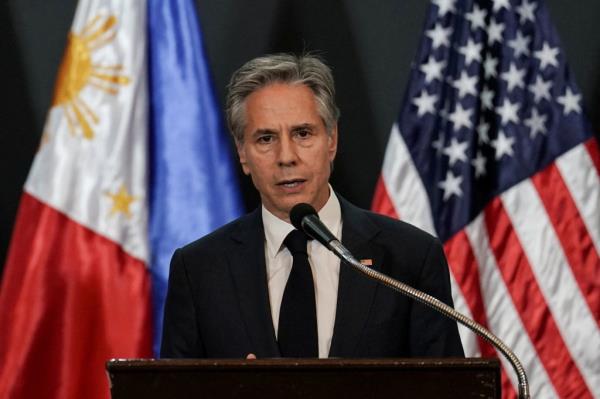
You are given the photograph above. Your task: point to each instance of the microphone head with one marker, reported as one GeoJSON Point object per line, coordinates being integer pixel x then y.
{"type": "Point", "coordinates": [299, 212]}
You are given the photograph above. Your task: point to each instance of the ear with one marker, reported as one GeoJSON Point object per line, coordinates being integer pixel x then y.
{"type": "Point", "coordinates": [241, 150]}
{"type": "Point", "coordinates": [333, 141]}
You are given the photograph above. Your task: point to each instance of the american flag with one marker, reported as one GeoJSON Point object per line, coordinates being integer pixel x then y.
{"type": "Point", "coordinates": [491, 153]}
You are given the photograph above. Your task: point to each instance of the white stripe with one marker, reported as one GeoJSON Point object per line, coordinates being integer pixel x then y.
{"type": "Point", "coordinates": [503, 319]}
{"type": "Point", "coordinates": [581, 178]}
{"type": "Point", "coordinates": [467, 337]}
{"type": "Point", "coordinates": [404, 184]}
{"type": "Point", "coordinates": [555, 278]}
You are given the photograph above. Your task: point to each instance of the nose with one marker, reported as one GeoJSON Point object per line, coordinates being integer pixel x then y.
{"type": "Point", "coordinates": [288, 155]}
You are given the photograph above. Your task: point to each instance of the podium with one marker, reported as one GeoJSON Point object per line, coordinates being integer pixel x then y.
{"type": "Point", "coordinates": [305, 378]}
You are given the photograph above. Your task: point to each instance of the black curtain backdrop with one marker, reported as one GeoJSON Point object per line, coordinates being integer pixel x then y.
{"type": "Point", "coordinates": [369, 45]}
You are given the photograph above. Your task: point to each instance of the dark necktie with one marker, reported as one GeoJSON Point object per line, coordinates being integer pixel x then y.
{"type": "Point", "coordinates": [297, 333]}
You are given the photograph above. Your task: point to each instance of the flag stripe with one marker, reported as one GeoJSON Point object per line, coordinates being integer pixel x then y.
{"type": "Point", "coordinates": [572, 233]}
{"type": "Point", "coordinates": [65, 311]}
{"type": "Point", "coordinates": [581, 177]}
{"type": "Point", "coordinates": [381, 200]}
{"type": "Point", "coordinates": [468, 338]}
{"type": "Point", "coordinates": [503, 317]}
{"type": "Point", "coordinates": [554, 278]}
{"type": "Point", "coordinates": [403, 182]}
{"type": "Point", "coordinates": [593, 148]}
{"type": "Point", "coordinates": [464, 268]}
{"type": "Point", "coordinates": [537, 319]}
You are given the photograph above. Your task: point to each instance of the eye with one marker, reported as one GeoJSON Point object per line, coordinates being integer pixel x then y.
{"type": "Point", "coordinates": [265, 138]}
{"type": "Point", "coordinates": [303, 133]}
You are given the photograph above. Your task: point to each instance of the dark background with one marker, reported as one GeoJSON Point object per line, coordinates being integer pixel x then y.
{"type": "Point", "coordinates": [369, 45]}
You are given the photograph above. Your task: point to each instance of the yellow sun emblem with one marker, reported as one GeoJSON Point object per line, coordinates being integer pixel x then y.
{"type": "Point", "coordinates": [78, 71]}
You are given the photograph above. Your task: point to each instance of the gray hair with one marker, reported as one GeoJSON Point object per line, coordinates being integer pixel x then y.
{"type": "Point", "coordinates": [308, 70]}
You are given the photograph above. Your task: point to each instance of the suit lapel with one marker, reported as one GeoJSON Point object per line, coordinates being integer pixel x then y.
{"type": "Point", "coordinates": [248, 269]}
{"type": "Point", "coordinates": [355, 291]}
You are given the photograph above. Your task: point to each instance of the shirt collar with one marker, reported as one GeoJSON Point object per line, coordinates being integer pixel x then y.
{"type": "Point", "coordinates": [276, 229]}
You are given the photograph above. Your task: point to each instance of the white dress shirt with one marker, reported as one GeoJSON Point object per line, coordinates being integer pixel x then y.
{"type": "Point", "coordinates": [324, 265]}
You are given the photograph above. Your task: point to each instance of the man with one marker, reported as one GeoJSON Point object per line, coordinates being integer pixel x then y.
{"type": "Point", "coordinates": [240, 290]}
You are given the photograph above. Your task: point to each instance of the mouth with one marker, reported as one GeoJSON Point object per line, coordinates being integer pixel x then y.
{"type": "Point", "coordinates": [291, 183]}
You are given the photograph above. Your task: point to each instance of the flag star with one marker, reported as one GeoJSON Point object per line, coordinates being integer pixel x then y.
{"type": "Point", "coordinates": [483, 130]}
{"type": "Point", "coordinates": [439, 36]}
{"type": "Point", "coordinates": [570, 101]}
{"type": "Point", "coordinates": [490, 64]}
{"type": "Point", "coordinates": [487, 98]}
{"type": "Point", "coordinates": [499, 4]}
{"type": "Point", "coordinates": [451, 185]}
{"type": "Point", "coordinates": [494, 32]}
{"type": "Point", "coordinates": [456, 151]}
{"type": "Point", "coordinates": [520, 44]}
{"type": "Point", "coordinates": [526, 11]}
{"type": "Point", "coordinates": [479, 164]}
{"type": "Point", "coordinates": [465, 84]}
{"type": "Point", "coordinates": [438, 144]}
{"type": "Point", "coordinates": [425, 103]}
{"type": "Point", "coordinates": [541, 89]}
{"type": "Point", "coordinates": [503, 145]}
{"type": "Point", "coordinates": [514, 77]}
{"type": "Point", "coordinates": [537, 123]}
{"type": "Point", "coordinates": [445, 6]}
{"type": "Point", "coordinates": [121, 201]}
{"type": "Point", "coordinates": [471, 51]}
{"type": "Point", "coordinates": [433, 69]}
{"type": "Point", "coordinates": [508, 112]}
{"type": "Point", "coordinates": [547, 56]}
{"type": "Point", "coordinates": [476, 17]}
{"type": "Point", "coordinates": [461, 117]}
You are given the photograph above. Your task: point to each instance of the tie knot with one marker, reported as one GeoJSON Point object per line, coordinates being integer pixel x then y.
{"type": "Point", "coordinates": [296, 242]}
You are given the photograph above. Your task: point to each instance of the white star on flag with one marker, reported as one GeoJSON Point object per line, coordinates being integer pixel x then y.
{"type": "Point", "coordinates": [526, 11]}
{"type": "Point", "coordinates": [432, 69]}
{"type": "Point", "coordinates": [494, 32]}
{"type": "Point", "coordinates": [471, 51]}
{"type": "Point", "coordinates": [438, 144]}
{"type": "Point", "coordinates": [425, 103]}
{"type": "Point", "coordinates": [451, 185]}
{"type": "Point", "coordinates": [465, 84]}
{"type": "Point", "coordinates": [439, 36]}
{"type": "Point", "coordinates": [483, 130]}
{"type": "Point", "coordinates": [537, 123]}
{"type": "Point", "coordinates": [490, 64]}
{"type": "Point", "coordinates": [456, 151]}
{"type": "Point", "coordinates": [487, 98]}
{"type": "Point", "coordinates": [570, 101]}
{"type": "Point", "coordinates": [503, 145]}
{"type": "Point", "coordinates": [461, 117]}
{"type": "Point", "coordinates": [476, 17]}
{"type": "Point", "coordinates": [508, 112]}
{"type": "Point", "coordinates": [445, 6]}
{"type": "Point", "coordinates": [479, 164]}
{"type": "Point", "coordinates": [547, 56]}
{"type": "Point", "coordinates": [520, 44]}
{"type": "Point", "coordinates": [514, 77]}
{"type": "Point", "coordinates": [500, 4]}
{"type": "Point", "coordinates": [541, 89]}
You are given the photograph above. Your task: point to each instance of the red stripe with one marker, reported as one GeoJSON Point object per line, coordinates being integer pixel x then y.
{"type": "Point", "coordinates": [572, 233]}
{"type": "Point", "coordinates": [70, 300]}
{"type": "Point", "coordinates": [381, 200]}
{"type": "Point", "coordinates": [463, 264]}
{"type": "Point", "coordinates": [529, 302]}
{"type": "Point", "coordinates": [594, 151]}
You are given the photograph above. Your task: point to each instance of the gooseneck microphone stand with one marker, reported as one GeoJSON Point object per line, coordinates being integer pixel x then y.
{"type": "Point", "coordinates": [439, 306]}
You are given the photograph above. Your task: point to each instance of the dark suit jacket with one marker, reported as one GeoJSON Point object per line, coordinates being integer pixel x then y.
{"type": "Point", "coordinates": [218, 307]}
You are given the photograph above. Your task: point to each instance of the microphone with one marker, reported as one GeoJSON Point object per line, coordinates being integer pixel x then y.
{"type": "Point", "coordinates": [305, 218]}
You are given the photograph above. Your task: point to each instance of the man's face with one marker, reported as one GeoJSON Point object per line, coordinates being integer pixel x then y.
{"type": "Point", "coordinates": [286, 148]}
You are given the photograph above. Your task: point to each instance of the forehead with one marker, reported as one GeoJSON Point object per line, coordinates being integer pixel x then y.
{"type": "Point", "coordinates": [281, 104]}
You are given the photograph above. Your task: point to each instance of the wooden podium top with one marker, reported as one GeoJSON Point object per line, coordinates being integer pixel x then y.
{"type": "Point", "coordinates": [304, 378]}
